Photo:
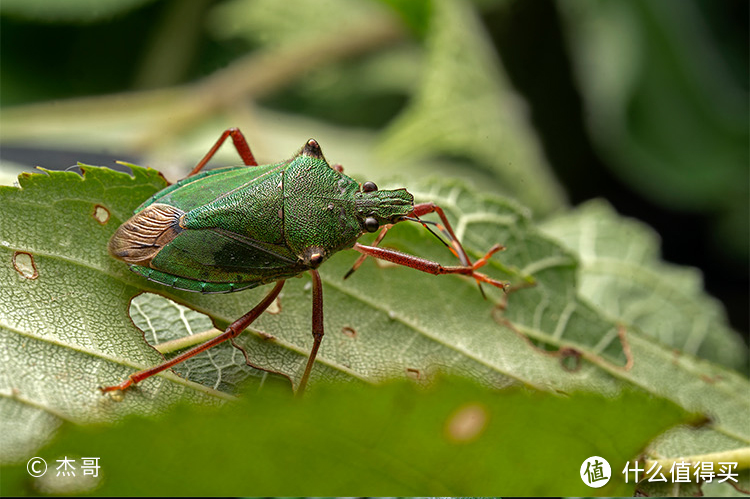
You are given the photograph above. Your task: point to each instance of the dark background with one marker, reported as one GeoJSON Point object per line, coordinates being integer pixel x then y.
{"type": "Point", "coordinates": [531, 31]}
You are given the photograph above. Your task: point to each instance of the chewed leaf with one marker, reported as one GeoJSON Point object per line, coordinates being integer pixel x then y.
{"type": "Point", "coordinates": [172, 328]}
{"type": "Point", "coordinates": [68, 330]}
{"type": "Point", "coordinates": [63, 304]}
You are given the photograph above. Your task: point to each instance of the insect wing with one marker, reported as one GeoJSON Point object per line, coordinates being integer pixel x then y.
{"type": "Point", "coordinates": [220, 256]}
{"type": "Point", "coordinates": [197, 190]}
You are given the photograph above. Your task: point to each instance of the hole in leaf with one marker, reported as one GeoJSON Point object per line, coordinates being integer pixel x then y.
{"type": "Point", "coordinates": [101, 214]}
{"type": "Point", "coordinates": [172, 329]}
{"type": "Point", "coordinates": [275, 307]}
{"type": "Point", "coordinates": [24, 264]}
{"type": "Point", "coordinates": [570, 359]}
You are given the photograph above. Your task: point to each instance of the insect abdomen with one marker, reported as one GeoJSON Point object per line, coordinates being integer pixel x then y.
{"type": "Point", "coordinates": [191, 284]}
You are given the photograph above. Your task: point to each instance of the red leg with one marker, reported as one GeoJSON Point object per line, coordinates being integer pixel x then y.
{"type": "Point", "coordinates": [363, 257]}
{"type": "Point", "coordinates": [423, 209]}
{"type": "Point", "coordinates": [431, 267]}
{"type": "Point", "coordinates": [317, 327]}
{"type": "Point", "coordinates": [232, 331]}
{"type": "Point", "coordinates": [239, 143]}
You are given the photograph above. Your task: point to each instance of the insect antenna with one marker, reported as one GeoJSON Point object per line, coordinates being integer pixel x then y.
{"type": "Point", "coordinates": [453, 245]}
{"type": "Point", "coordinates": [355, 266]}
{"type": "Point", "coordinates": [440, 228]}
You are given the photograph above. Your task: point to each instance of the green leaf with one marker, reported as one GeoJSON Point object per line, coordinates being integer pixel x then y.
{"type": "Point", "coordinates": [63, 308]}
{"type": "Point", "coordinates": [455, 438]}
{"type": "Point", "coordinates": [622, 274]}
{"type": "Point", "coordinates": [64, 319]}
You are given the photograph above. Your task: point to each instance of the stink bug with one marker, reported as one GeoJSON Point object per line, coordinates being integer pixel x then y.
{"type": "Point", "coordinates": [239, 227]}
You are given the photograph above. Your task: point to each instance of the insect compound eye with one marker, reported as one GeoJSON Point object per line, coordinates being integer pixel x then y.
{"type": "Point", "coordinates": [371, 224]}
{"type": "Point", "coordinates": [369, 187]}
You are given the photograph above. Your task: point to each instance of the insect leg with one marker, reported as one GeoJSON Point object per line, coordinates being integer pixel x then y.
{"type": "Point", "coordinates": [239, 143]}
{"type": "Point", "coordinates": [363, 257]}
{"type": "Point", "coordinates": [317, 327]}
{"type": "Point", "coordinates": [431, 267]}
{"type": "Point", "coordinates": [232, 331]}
{"type": "Point", "coordinates": [423, 209]}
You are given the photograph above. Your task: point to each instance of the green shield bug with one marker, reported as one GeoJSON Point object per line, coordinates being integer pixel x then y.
{"type": "Point", "coordinates": [235, 228]}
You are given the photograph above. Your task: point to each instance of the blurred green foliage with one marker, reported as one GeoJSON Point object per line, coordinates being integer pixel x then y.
{"type": "Point", "coordinates": [454, 438]}
{"type": "Point", "coordinates": [668, 105]}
